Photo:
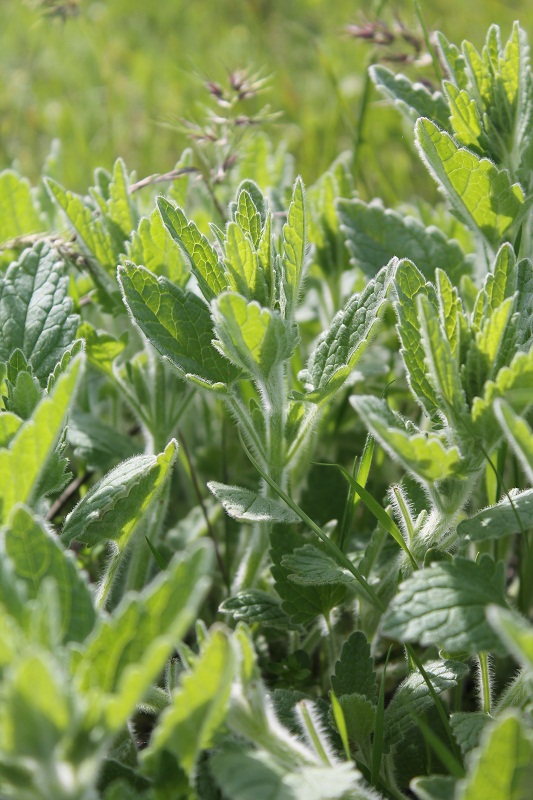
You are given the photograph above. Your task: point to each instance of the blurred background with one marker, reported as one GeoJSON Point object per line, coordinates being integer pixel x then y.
{"type": "Point", "coordinates": [139, 79]}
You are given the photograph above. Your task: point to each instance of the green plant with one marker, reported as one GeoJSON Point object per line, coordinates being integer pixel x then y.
{"type": "Point", "coordinates": [353, 384]}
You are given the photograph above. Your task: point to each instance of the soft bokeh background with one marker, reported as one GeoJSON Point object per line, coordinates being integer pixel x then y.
{"type": "Point", "coordinates": [114, 78]}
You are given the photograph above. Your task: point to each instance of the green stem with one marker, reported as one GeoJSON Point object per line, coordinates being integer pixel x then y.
{"type": "Point", "coordinates": [485, 682]}
{"type": "Point", "coordinates": [108, 579]}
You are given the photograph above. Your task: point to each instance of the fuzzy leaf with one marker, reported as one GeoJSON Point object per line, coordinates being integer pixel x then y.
{"type": "Point", "coordinates": [294, 247]}
{"type": "Point", "coordinates": [35, 310]}
{"type": "Point", "coordinates": [248, 506]}
{"type": "Point", "coordinates": [244, 267]}
{"type": "Point", "coordinates": [309, 566]}
{"type": "Point", "coordinates": [375, 234]}
{"type": "Point", "coordinates": [339, 348]}
{"type": "Point", "coordinates": [18, 215]}
{"type": "Point", "coordinates": [511, 515]}
{"type": "Point", "coordinates": [518, 434]}
{"type": "Point", "coordinates": [515, 632]}
{"type": "Point", "coordinates": [113, 508]}
{"type": "Point", "coordinates": [481, 194]}
{"type": "Point", "coordinates": [153, 247]}
{"type": "Point", "coordinates": [467, 727]}
{"type": "Point", "coordinates": [354, 671]}
{"type": "Point", "coordinates": [254, 606]}
{"type": "Point", "coordinates": [177, 323]}
{"type": "Point", "coordinates": [445, 605]}
{"type": "Point", "coordinates": [412, 99]}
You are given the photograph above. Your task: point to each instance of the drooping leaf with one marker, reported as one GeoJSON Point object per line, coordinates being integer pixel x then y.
{"type": "Point", "coordinates": [248, 506]}
{"type": "Point", "coordinates": [35, 310]}
{"type": "Point", "coordinates": [445, 605]}
{"type": "Point", "coordinates": [309, 566]}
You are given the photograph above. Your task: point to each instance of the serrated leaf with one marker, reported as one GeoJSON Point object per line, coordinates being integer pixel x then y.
{"type": "Point", "coordinates": [177, 323]}
{"type": "Point", "coordinates": [412, 99]}
{"type": "Point", "coordinates": [503, 764]}
{"type": "Point", "coordinates": [412, 697]}
{"type": "Point", "coordinates": [127, 651]}
{"type": "Point", "coordinates": [255, 339]}
{"type": "Point", "coordinates": [445, 605]}
{"type": "Point", "coordinates": [113, 508]}
{"type": "Point", "coordinates": [248, 506]}
{"type": "Point", "coordinates": [101, 348]}
{"type": "Point", "coordinates": [467, 727]}
{"type": "Point", "coordinates": [436, 787]}
{"type": "Point", "coordinates": [518, 434]}
{"type": "Point", "coordinates": [245, 271]}
{"type": "Point", "coordinates": [9, 425]}
{"type": "Point", "coordinates": [152, 246]}
{"type": "Point", "coordinates": [255, 606]}
{"type": "Point", "coordinates": [119, 207]}
{"type": "Point", "coordinates": [409, 284]}
{"type": "Point", "coordinates": [23, 462]}
{"type": "Point", "coordinates": [309, 566]}
{"type": "Point", "coordinates": [465, 119]}
{"type": "Point", "coordinates": [481, 194]}
{"type": "Point", "coordinates": [501, 282]}
{"type": "Point", "coordinates": [359, 715]}
{"type": "Point", "coordinates": [450, 309]}
{"type": "Point", "coordinates": [36, 557]}
{"type": "Point", "coordinates": [35, 310]}
{"type": "Point", "coordinates": [18, 214]}
{"type": "Point", "coordinates": [423, 454]}
{"type": "Point", "coordinates": [203, 258]}
{"type": "Point", "coordinates": [339, 348]}
{"type": "Point", "coordinates": [250, 211]}
{"type": "Point", "coordinates": [375, 234]}
{"type": "Point", "coordinates": [198, 706]}
{"type": "Point", "coordinates": [294, 247]}
{"type": "Point", "coordinates": [513, 514]}
{"type": "Point", "coordinates": [487, 352]}
{"type": "Point", "coordinates": [524, 304]}
{"type": "Point", "coordinates": [354, 671]}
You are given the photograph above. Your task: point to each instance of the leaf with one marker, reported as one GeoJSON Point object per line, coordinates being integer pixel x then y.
{"type": "Point", "coordinates": [294, 247]}
{"type": "Point", "coordinates": [436, 787]}
{"type": "Point", "coordinates": [114, 507]}
{"type": "Point", "coordinates": [445, 605]}
{"type": "Point", "coordinates": [467, 727]}
{"type": "Point", "coordinates": [519, 435]}
{"type": "Point", "coordinates": [153, 247]}
{"type": "Point", "coordinates": [96, 443]}
{"type": "Point", "coordinates": [501, 282]}
{"type": "Point", "coordinates": [189, 723]}
{"type": "Point", "coordinates": [423, 454]}
{"type": "Point", "coordinates": [253, 338]}
{"type": "Point", "coordinates": [354, 671]}
{"type": "Point", "coordinates": [203, 259]}
{"type": "Point", "coordinates": [339, 348]}
{"type": "Point", "coordinates": [37, 556]}
{"type": "Point", "coordinates": [359, 715]}
{"type": "Point", "coordinates": [515, 632]}
{"type": "Point", "coordinates": [35, 310]}
{"type": "Point", "coordinates": [450, 310]}
{"type": "Point", "coordinates": [177, 323]}
{"type": "Point", "coordinates": [244, 266]}
{"type": "Point", "coordinates": [412, 697]}
{"type": "Point", "coordinates": [250, 210]}
{"type": "Point", "coordinates": [248, 506]}
{"type": "Point", "coordinates": [309, 566]}
{"type": "Point", "coordinates": [23, 462]}
{"type": "Point", "coordinates": [513, 514]}
{"type": "Point", "coordinates": [481, 194]}
{"type": "Point", "coordinates": [503, 764]}
{"type": "Point", "coordinates": [412, 99]}
{"type": "Point", "coordinates": [374, 235]}
{"type": "Point", "coordinates": [254, 606]}
{"type": "Point", "coordinates": [127, 651]}
{"type": "Point", "coordinates": [101, 348]}
{"type": "Point", "coordinates": [18, 214]}
{"type": "Point", "coordinates": [409, 284]}
{"type": "Point", "coordinates": [465, 119]}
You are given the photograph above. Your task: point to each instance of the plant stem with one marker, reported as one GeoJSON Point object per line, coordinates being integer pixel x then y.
{"type": "Point", "coordinates": [485, 682]}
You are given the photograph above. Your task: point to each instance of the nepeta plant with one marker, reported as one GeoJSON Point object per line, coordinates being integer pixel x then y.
{"type": "Point", "coordinates": [268, 638]}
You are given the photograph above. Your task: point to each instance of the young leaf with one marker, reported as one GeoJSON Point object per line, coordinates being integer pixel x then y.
{"type": "Point", "coordinates": [354, 671]}
{"type": "Point", "coordinates": [36, 557]}
{"type": "Point", "coordinates": [294, 247]}
{"type": "Point", "coordinates": [202, 256]}
{"type": "Point", "coordinates": [518, 434]}
{"type": "Point", "coordinates": [177, 323]}
{"type": "Point", "coordinates": [23, 462]}
{"type": "Point", "coordinates": [481, 194]}
{"type": "Point", "coordinates": [245, 270]}
{"type": "Point", "coordinates": [198, 707]}
{"type": "Point", "coordinates": [247, 506]}
{"type": "Point", "coordinates": [374, 235]}
{"type": "Point", "coordinates": [339, 348]}
{"type": "Point", "coordinates": [412, 99]}
{"type": "Point", "coordinates": [445, 605]}
{"type": "Point", "coordinates": [513, 514]}
{"type": "Point", "coordinates": [18, 215]}
{"type": "Point", "coordinates": [152, 246]}
{"type": "Point", "coordinates": [35, 310]}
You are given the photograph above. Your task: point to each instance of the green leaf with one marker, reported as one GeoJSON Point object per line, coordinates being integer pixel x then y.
{"type": "Point", "coordinates": [96, 443]}
{"type": "Point", "coordinates": [253, 338]}
{"type": "Point", "coordinates": [423, 454]}
{"type": "Point", "coordinates": [436, 787]}
{"type": "Point", "coordinates": [359, 715]}
{"type": "Point", "coordinates": [518, 434]}
{"type": "Point", "coordinates": [503, 764]}
{"type": "Point", "coordinates": [339, 348]}
{"type": "Point", "coordinates": [409, 284]}
{"type": "Point", "coordinates": [245, 270]}
{"type": "Point", "coordinates": [250, 211]}
{"type": "Point", "coordinates": [127, 651]}
{"type": "Point", "coordinates": [465, 119]}
{"type": "Point", "coordinates": [202, 256]}
{"type": "Point", "coordinates": [9, 425]}
{"type": "Point", "coordinates": [412, 99]}
{"type": "Point", "coordinates": [501, 282]}
{"type": "Point", "coordinates": [23, 462]}
{"type": "Point", "coordinates": [37, 556]}
{"type": "Point", "coordinates": [18, 214]}
{"type": "Point", "coordinates": [412, 697]}
{"type": "Point", "coordinates": [524, 304]}
{"type": "Point", "coordinates": [309, 566]}
{"type": "Point", "coordinates": [374, 235]}
{"type": "Point", "coordinates": [152, 246]}
{"type": "Point", "coordinates": [177, 323]}
{"type": "Point", "coordinates": [354, 671]}
{"type": "Point", "coordinates": [445, 605]}
{"type": "Point", "coordinates": [119, 206]}
{"type": "Point", "coordinates": [113, 508]}
{"type": "Point", "coordinates": [254, 606]}
{"type": "Point", "coordinates": [467, 727]}
{"type": "Point", "coordinates": [101, 348]}
{"type": "Point", "coordinates": [515, 632]}
{"type": "Point", "coordinates": [198, 706]}
{"type": "Point", "coordinates": [247, 506]}
{"type": "Point", "coordinates": [513, 514]}
{"type": "Point", "coordinates": [450, 310]}
{"type": "Point", "coordinates": [481, 194]}
{"type": "Point", "coordinates": [35, 310]}
{"type": "Point", "coordinates": [294, 247]}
